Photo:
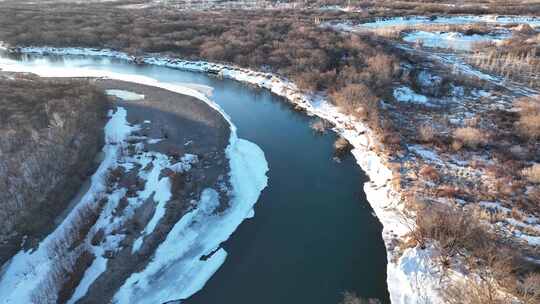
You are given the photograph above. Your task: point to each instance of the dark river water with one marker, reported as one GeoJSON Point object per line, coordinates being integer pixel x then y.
{"type": "Point", "coordinates": [313, 235]}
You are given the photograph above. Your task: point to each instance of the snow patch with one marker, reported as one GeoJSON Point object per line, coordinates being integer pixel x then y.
{"type": "Point", "coordinates": [125, 95]}
{"type": "Point", "coordinates": [532, 240]}
{"type": "Point", "coordinates": [406, 94]}
{"type": "Point", "coordinates": [452, 40]}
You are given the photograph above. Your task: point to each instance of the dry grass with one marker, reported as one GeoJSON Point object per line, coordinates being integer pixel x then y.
{"type": "Point", "coordinates": [426, 133]}
{"type": "Point", "coordinates": [470, 137]}
{"type": "Point", "coordinates": [529, 116]}
{"type": "Point", "coordinates": [454, 229]}
{"type": "Point", "coordinates": [495, 265]}
{"type": "Point", "coordinates": [534, 196]}
{"type": "Point", "coordinates": [529, 289]}
{"type": "Point", "coordinates": [473, 291]}
{"type": "Point", "coordinates": [516, 58]}
{"type": "Point", "coordinates": [429, 172]}
{"type": "Point", "coordinates": [532, 173]}
{"type": "Point", "coordinates": [355, 99]}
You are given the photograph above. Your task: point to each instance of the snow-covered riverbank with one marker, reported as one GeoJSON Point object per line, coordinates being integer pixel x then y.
{"type": "Point", "coordinates": [411, 276]}
{"type": "Point", "coordinates": [200, 231]}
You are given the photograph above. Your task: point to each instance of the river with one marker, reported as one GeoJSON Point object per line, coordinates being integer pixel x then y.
{"type": "Point", "coordinates": [314, 234]}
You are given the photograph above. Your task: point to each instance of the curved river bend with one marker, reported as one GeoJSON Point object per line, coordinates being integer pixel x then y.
{"type": "Point", "coordinates": [313, 235]}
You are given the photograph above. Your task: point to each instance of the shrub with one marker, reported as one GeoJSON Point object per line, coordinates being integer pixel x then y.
{"type": "Point", "coordinates": [381, 70]}
{"type": "Point", "coordinates": [532, 173]}
{"type": "Point", "coordinates": [470, 137]}
{"type": "Point", "coordinates": [529, 289]}
{"type": "Point", "coordinates": [496, 264]}
{"type": "Point", "coordinates": [429, 172]}
{"type": "Point", "coordinates": [341, 145]}
{"type": "Point", "coordinates": [456, 145]}
{"type": "Point", "coordinates": [529, 116]}
{"type": "Point", "coordinates": [454, 229]}
{"type": "Point", "coordinates": [427, 133]}
{"type": "Point", "coordinates": [355, 99]}
{"type": "Point", "coordinates": [447, 191]}
{"type": "Point", "coordinates": [473, 291]}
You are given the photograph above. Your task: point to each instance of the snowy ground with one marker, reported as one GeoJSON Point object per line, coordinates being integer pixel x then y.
{"type": "Point", "coordinates": [431, 32]}
{"type": "Point", "coordinates": [31, 275]}
{"type": "Point", "coordinates": [406, 94]}
{"type": "Point", "coordinates": [452, 40]}
{"type": "Point", "coordinates": [525, 230]}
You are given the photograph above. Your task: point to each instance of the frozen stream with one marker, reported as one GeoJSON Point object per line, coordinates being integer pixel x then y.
{"type": "Point", "coordinates": [313, 235]}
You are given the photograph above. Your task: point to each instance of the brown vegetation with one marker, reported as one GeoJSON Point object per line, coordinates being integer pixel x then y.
{"type": "Point", "coordinates": [429, 172]}
{"type": "Point", "coordinates": [454, 229]}
{"type": "Point", "coordinates": [532, 173]}
{"type": "Point", "coordinates": [496, 264]}
{"type": "Point", "coordinates": [517, 59]}
{"type": "Point", "coordinates": [50, 132]}
{"type": "Point", "coordinates": [470, 137]}
{"type": "Point", "coordinates": [342, 146]}
{"type": "Point", "coordinates": [429, 7]}
{"type": "Point", "coordinates": [529, 116]}
{"type": "Point", "coordinates": [356, 99]}
{"type": "Point", "coordinates": [427, 133]}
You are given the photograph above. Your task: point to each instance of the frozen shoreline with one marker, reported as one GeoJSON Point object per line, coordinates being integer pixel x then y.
{"type": "Point", "coordinates": [411, 278]}
{"type": "Point", "coordinates": [248, 178]}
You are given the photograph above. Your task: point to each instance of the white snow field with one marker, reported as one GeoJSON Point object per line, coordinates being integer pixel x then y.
{"type": "Point", "coordinates": [406, 94]}
{"type": "Point", "coordinates": [177, 260]}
